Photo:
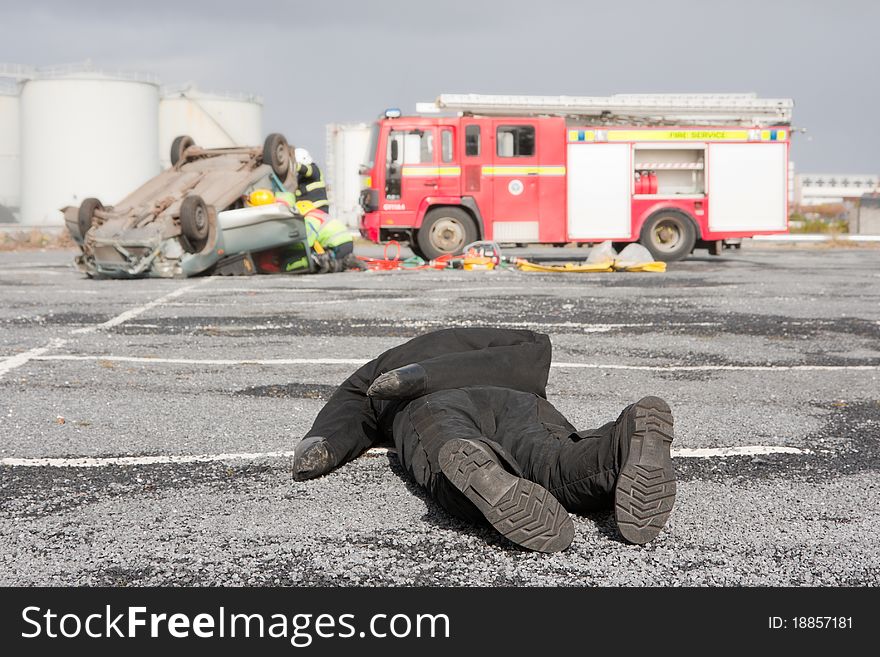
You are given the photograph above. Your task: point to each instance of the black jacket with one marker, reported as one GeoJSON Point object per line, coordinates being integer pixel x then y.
{"type": "Point", "coordinates": [311, 186]}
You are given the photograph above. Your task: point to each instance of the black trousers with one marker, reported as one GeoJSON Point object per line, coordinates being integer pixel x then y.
{"type": "Point", "coordinates": [482, 384]}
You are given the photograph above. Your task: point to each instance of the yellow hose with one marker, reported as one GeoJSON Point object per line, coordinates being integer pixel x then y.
{"type": "Point", "coordinates": [608, 265]}
{"type": "Point", "coordinates": [568, 267]}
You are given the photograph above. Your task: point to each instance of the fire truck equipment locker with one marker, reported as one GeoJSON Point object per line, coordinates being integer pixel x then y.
{"type": "Point", "coordinates": [599, 196]}
{"type": "Point", "coordinates": [747, 186]}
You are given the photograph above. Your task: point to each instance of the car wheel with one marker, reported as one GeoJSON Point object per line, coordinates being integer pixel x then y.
{"type": "Point", "coordinates": [444, 231]}
{"type": "Point", "coordinates": [669, 236]}
{"type": "Point", "coordinates": [178, 148]}
{"type": "Point", "coordinates": [276, 153]}
{"type": "Point", "coordinates": [195, 222]}
{"type": "Point", "coordinates": [86, 215]}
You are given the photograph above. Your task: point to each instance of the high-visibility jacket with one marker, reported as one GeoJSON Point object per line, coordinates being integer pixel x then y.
{"type": "Point", "coordinates": [328, 232]}
{"type": "Point", "coordinates": [310, 186]}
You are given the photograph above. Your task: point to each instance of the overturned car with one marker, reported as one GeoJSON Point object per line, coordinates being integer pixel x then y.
{"type": "Point", "coordinates": [193, 218]}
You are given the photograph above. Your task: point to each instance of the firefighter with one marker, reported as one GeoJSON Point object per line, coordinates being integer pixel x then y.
{"type": "Point", "coordinates": [310, 181]}
{"type": "Point", "coordinates": [332, 236]}
{"type": "Point", "coordinates": [468, 414]}
{"type": "Point", "coordinates": [281, 259]}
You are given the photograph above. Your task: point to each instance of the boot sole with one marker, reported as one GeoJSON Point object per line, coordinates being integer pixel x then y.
{"type": "Point", "coordinates": [645, 490]}
{"type": "Point", "coordinates": [521, 510]}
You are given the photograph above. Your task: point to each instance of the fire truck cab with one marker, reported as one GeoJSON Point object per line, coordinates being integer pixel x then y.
{"type": "Point", "coordinates": [673, 172]}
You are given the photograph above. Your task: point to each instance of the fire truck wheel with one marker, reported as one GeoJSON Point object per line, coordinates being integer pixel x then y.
{"type": "Point", "coordinates": [178, 146]}
{"type": "Point", "coordinates": [445, 230]}
{"type": "Point", "coordinates": [669, 236]}
{"type": "Point", "coordinates": [195, 222]}
{"type": "Point", "coordinates": [276, 153]}
{"type": "Point", "coordinates": [86, 215]}
{"type": "Point", "coordinates": [416, 250]}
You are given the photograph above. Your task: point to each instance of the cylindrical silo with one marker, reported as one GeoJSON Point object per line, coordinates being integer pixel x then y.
{"type": "Point", "coordinates": [212, 120]}
{"type": "Point", "coordinates": [10, 136]}
{"type": "Point", "coordinates": [84, 134]}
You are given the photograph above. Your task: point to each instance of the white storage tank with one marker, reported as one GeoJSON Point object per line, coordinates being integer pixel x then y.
{"type": "Point", "coordinates": [347, 145]}
{"type": "Point", "coordinates": [212, 120]}
{"type": "Point", "coordinates": [85, 134]}
{"type": "Point", "coordinates": [10, 181]}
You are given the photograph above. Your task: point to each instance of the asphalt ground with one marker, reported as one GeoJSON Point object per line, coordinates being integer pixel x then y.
{"type": "Point", "coordinates": [167, 410]}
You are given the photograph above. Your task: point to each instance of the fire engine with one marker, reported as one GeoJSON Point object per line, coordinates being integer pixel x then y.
{"type": "Point", "coordinates": [674, 172]}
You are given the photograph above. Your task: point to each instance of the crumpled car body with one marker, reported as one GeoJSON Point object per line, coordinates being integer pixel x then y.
{"type": "Point", "coordinates": [146, 234]}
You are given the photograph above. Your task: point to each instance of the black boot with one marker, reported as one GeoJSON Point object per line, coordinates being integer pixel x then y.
{"type": "Point", "coordinates": [407, 382]}
{"type": "Point", "coordinates": [645, 488]}
{"type": "Point", "coordinates": [312, 458]}
{"type": "Point", "coordinates": [519, 509]}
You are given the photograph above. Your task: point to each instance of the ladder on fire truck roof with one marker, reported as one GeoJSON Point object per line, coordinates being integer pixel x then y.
{"type": "Point", "coordinates": [702, 109]}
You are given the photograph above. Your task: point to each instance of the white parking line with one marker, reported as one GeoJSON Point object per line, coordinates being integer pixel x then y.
{"type": "Point", "coordinates": [361, 361]}
{"type": "Point", "coordinates": [747, 450]}
{"type": "Point", "coordinates": [418, 324]}
{"type": "Point", "coordinates": [586, 327]}
{"type": "Point", "coordinates": [10, 363]}
{"type": "Point", "coordinates": [815, 237]}
{"type": "Point", "coordinates": [100, 462]}
{"type": "Point", "coordinates": [724, 368]}
{"type": "Point", "coordinates": [170, 459]}
{"type": "Point", "coordinates": [123, 317]}
{"type": "Point", "coordinates": [210, 361]}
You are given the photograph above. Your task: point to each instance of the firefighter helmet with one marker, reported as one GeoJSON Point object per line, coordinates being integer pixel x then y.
{"type": "Point", "coordinates": [302, 156]}
{"type": "Point", "coordinates": [261, 197]}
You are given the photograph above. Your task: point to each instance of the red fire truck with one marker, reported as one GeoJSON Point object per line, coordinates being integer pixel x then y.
{"type": "Point", "coordinates": [674, 172]}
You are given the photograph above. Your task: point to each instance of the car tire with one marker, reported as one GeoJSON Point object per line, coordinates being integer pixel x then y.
{"type": "Point", "coordinates": [445, 231]}
{"type": "Point", "coordinates": [276, 153]}
{"type": "Point", "coordinates": [86, 215]}
{"type": "Point", "coordinates": [195, 222]}
{"type": "Point", "coordinates": [178, 148]}
{"type": "Point", "coordinates": [668, 235]}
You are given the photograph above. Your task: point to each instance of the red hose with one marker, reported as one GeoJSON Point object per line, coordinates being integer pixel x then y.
{"type": "Point", "coordinates": [395, 263]}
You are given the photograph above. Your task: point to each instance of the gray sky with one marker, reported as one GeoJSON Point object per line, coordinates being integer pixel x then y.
{"type": "Point", "coordinates": [322, 61]}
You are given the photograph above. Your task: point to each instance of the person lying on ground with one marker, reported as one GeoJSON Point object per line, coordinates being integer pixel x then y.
{"type": "Point", "coordinates": [468, 413]}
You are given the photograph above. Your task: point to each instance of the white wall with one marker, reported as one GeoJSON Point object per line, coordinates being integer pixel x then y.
{"type": "Point", "coordinates": [346, 151]}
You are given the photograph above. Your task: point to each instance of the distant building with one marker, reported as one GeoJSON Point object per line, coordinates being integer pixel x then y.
{"type": "Point", "coordinates": [868, 217]}
{"type": "Point", "coordinates": [822, 188]}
